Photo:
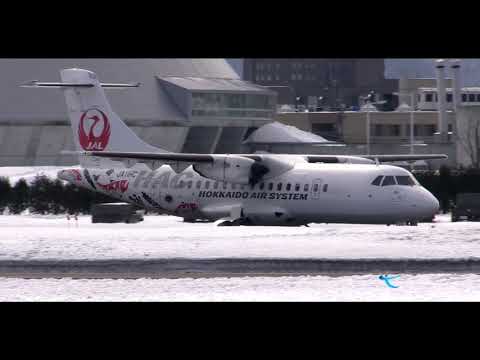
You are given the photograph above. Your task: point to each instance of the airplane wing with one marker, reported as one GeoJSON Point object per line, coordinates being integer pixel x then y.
{"type": "Point", "coordinates": [403, 157]}
{"type": "Point", "coordinates": [244, 168]}
{"type": "Point", "coordinates": [371, 159]}
{"type": "Point", "coordinates": [163, 157]}
{"type": "Point", "coordinates": [240, 169]}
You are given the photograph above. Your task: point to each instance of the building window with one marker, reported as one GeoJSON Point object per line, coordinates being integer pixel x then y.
{"type": "Point", "coordinates": [471, 97]}
{"type": "Point", "coordinates": [294, 77]}
{"type": "Point", "coordinates": [478, 97]}
{"type": "Point", "coordinates": [449, 97]}
{"type": "Point", "coordinates": [428, 97]}
{"type": "Point", "coordinates": [464, 97]}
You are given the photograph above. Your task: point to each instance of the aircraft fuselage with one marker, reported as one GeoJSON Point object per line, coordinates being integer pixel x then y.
{"type": "Point", "coordinates": [308, 193]}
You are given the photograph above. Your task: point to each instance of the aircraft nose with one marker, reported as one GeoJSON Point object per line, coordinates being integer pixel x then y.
{"type": "Point", "coordinates": [430, 205]}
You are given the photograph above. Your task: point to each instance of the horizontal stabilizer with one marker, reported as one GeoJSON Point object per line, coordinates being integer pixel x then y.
{"type": "Point", "coordinates": [59, 85]}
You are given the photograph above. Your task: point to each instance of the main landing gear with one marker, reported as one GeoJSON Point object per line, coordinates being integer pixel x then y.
{"type": "Point", "coordinates": [407, 223]}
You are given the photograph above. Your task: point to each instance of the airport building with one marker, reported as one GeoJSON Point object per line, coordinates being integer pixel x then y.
{"type": "Point", "coordinates": [182, 105]}
{"type": "Point", "coordinates": [323, 83]}
{"type": "Point", "coordinates": [445, 118]}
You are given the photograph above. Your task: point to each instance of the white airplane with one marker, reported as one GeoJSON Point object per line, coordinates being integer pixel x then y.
{"type": "Point", "coordinates": [241, 189]}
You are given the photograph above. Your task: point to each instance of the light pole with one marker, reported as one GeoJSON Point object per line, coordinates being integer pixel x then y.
{"type": "Point", "coordinates": [369, 104]}
{"type": "Point", "coordinates": [412, 112]}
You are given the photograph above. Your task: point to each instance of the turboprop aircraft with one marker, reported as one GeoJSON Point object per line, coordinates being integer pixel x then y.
{"type": "Point", "coordinates": [241, 189]}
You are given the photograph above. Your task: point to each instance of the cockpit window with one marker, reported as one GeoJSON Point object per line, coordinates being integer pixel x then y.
{"type": "Point", "coordinates": [389, 180]}
{"type": "Point", "coordinates": [377, 180]}
{"type": "Point", "coordinates": [405, 180]}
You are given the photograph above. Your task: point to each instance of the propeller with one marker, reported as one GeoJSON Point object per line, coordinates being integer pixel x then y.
{"type": "Point", "coordinates": [257, 171]}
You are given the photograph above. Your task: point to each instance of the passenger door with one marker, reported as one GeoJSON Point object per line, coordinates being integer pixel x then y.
{"type": "Point", "coordinates": [316, 188]}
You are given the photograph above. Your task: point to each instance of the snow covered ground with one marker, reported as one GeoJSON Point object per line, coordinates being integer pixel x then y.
{"type": "Point", "coordinates": [439, 287]}
{"type": "Point", "coordinates": [30, 237]}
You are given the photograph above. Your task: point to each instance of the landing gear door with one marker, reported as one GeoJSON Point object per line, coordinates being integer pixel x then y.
{"type": "Point", "coordinates": [316, 188]}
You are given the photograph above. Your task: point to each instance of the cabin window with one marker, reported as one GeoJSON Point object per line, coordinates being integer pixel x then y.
{"type": "Point", "coordinates": [270, 186]}
{"type": "Point", "coordinates": [182, 183]}
{"type": "Point", "coordinates": [325, 188]}
{"type": "Point", "coordinates": [224, 185]}
{"type": "Point", "coordinates": [207, 184]}
{"type": "Point", "coordinates": [234, 186]}
{"type": "Point", "coordinates": [389, 180]}
{"type": "Point", "coordinates": [215, 185]}
{"type": "Point", "coordinates": [297, 187]}
{"type": "Point", "coordinates": [199, 184]}
{"type": "Point", "coordinates": [189, 184]}
{"type": "Point", "coordinates": [377, 181]}
{"type": "Point", "coordinates": [305, 188]}
{"type": "Point", "coordinates": [405, 180]}
{"type": "Point", "coordinates": [279, 187]}
{"type": "Point", "coordinates": [262, 186]}
{"type": "Point", "coordinates": [288, 187]}
{"type": "Point", "coordinates": [315, 187]}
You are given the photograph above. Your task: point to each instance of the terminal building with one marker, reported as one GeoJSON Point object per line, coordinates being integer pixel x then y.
{"type": "Point", "coordinates": [323, 83]}
{"type": "Point", "coordinates": [445, 118]}
{"type": "Point", "coordinates": [202, 106]}
{"type": "Point", "coordinates": [182, 105]}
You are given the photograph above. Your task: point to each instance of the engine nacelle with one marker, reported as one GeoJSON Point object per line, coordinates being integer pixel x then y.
{"type": "Point", "coordinates": [229, 168]}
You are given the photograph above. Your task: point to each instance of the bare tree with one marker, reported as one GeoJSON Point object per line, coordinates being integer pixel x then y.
{"type": "Point", "coordinates": [469, 137]}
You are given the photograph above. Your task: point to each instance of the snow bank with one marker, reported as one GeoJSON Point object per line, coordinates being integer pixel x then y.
{"type": "Point", "coordinates": [15, 173]}
{"type": "Point", "coordinates": [438, 287]}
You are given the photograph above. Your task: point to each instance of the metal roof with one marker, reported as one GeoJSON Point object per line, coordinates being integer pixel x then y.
{"type": "Point", "coordinates": [216, 84]}
{"type": "Point", "coordinates": [278, 133]}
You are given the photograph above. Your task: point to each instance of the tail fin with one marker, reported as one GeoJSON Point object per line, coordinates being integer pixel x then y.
{"type": "Point", "coordinates": [94, 124]}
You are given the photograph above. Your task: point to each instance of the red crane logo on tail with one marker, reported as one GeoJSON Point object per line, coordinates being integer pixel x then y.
{"type": "Point", "coordinates": [91, 138]}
